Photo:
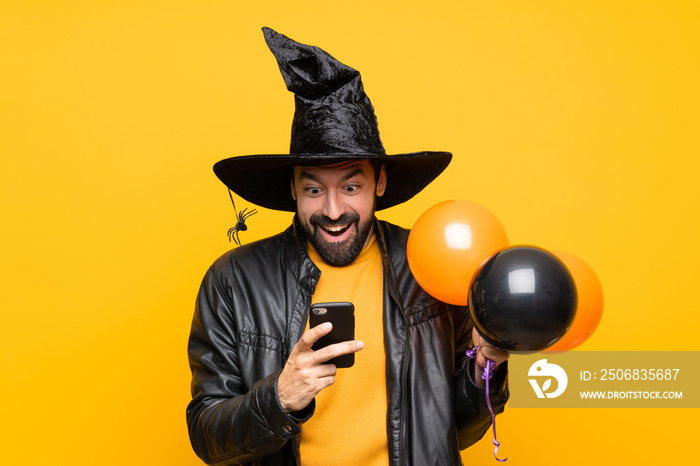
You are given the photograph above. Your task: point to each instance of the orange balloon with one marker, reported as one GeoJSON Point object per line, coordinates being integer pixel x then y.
{"type": "Point", "coordinates": [590, 303]}
{"type": "Point", "coordinates": [448, 244]}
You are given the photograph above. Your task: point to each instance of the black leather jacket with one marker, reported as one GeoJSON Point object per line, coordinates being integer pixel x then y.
{"type": "Point", "coordinates": [251, 310]}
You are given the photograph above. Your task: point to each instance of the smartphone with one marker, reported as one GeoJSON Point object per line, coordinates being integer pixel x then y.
{"type": "Point", "coordinates": [342, 316]}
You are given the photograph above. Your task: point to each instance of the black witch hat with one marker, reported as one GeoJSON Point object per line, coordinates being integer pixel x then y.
{"type": "Point", "coordinates": [333, 122]}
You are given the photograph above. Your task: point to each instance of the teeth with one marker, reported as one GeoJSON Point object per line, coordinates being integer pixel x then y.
{"type": "Point", "coordinates": [335, 229]}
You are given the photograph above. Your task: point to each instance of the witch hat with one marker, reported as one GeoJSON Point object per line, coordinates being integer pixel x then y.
{"type": "Point", "coordinates": [333, 122]}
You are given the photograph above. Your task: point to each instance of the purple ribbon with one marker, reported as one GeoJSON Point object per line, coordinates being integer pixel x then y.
{"type": "Point", "coordinates": [488, 367]}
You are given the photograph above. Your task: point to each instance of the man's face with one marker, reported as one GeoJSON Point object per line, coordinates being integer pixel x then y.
{"type": "Point", "coordinates": [335, 205]}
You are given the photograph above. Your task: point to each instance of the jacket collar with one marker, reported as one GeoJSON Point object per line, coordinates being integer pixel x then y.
{"type": "Point", "coordinates": [297, 257]}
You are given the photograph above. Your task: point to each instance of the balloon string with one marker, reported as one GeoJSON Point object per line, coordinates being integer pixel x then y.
{"type": "Point", "coordinates": [488, 367]}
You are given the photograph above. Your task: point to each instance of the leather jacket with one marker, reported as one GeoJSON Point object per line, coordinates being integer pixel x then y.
{"type": "Point", "coordinates": [251, 310]}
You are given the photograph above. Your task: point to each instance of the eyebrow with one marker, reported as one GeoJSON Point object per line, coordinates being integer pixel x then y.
{"type": "Point", "coordinates": [308, 175]}
{"type": "Point", "coordinates": [312, 177]}
{"type": "Point", "coordinates": [353, 173]}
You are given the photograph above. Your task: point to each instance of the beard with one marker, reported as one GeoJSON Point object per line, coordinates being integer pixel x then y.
{"type": "Point", "coordinates": [342, 253]}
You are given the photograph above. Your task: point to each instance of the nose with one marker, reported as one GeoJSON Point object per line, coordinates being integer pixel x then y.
{"type": "Point", "coordinates": [332, 207]}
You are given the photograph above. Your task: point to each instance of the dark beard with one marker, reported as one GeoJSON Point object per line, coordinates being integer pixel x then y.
{"type": "Point", "coordinates": [345, 252]}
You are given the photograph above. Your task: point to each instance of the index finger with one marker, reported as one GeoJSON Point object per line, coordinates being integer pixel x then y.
{"type": "Point", "coordinates": [310, 337]}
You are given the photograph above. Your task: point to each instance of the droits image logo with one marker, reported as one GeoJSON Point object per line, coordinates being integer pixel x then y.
{"type": "Point", "coordinates": [546, 372]}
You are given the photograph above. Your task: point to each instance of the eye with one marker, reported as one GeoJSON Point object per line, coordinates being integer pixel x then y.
{"type": "Point", "coordinates": [312, 191]}
{"type": "Point", "coordinates": [351, 188]}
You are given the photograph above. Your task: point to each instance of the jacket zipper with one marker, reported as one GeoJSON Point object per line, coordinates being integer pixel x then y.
{"type": "Point", "coordinates": [404, 383]}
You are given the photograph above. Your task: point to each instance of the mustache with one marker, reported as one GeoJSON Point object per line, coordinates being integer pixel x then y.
{"type": "Point", "coordinates": [344, 219]}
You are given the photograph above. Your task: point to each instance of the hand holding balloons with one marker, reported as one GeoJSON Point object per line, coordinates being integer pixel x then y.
{"type": "Point", "coordinates": [520, 298]}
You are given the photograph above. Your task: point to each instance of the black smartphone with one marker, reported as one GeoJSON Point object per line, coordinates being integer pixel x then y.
{"type": "Point", "coordinates": [342, 316]}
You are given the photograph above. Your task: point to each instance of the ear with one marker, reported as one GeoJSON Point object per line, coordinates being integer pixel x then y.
{"type": "Point", "coordinates": [381, 182]}
{"type": "Point", "coordinates": [294, 191]}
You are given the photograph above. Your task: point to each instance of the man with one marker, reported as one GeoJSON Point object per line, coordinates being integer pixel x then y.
{"type": "Point", "coordinates": [261, 395]}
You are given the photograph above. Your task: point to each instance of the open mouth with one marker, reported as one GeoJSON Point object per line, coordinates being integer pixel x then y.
{"type": "Point", "coordinates": [336, 231]}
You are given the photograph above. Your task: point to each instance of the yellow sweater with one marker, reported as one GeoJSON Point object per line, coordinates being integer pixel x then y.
{"type": "Point", "coordinates": [349, 425]}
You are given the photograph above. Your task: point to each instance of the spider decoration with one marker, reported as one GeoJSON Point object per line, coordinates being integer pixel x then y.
{"type": "Point", "coordinates": [240, 222]}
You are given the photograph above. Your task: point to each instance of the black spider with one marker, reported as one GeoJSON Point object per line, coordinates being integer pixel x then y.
{"type": "Point", "coordinates": [240, 222]}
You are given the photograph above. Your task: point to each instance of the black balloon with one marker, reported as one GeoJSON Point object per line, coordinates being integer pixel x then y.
{"type": "Point", "coordinates": [523, 299]}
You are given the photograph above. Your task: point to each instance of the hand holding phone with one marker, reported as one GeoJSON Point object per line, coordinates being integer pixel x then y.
{"type": "Point", "coordinates": [305, 373]}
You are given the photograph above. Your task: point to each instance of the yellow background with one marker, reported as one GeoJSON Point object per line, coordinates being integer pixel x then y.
{"type": "Point", "coordinates": [574, 122]}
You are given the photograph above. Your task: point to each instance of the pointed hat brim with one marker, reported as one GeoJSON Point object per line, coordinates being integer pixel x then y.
{"type": "Point", "coordinates": [265, 180]}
